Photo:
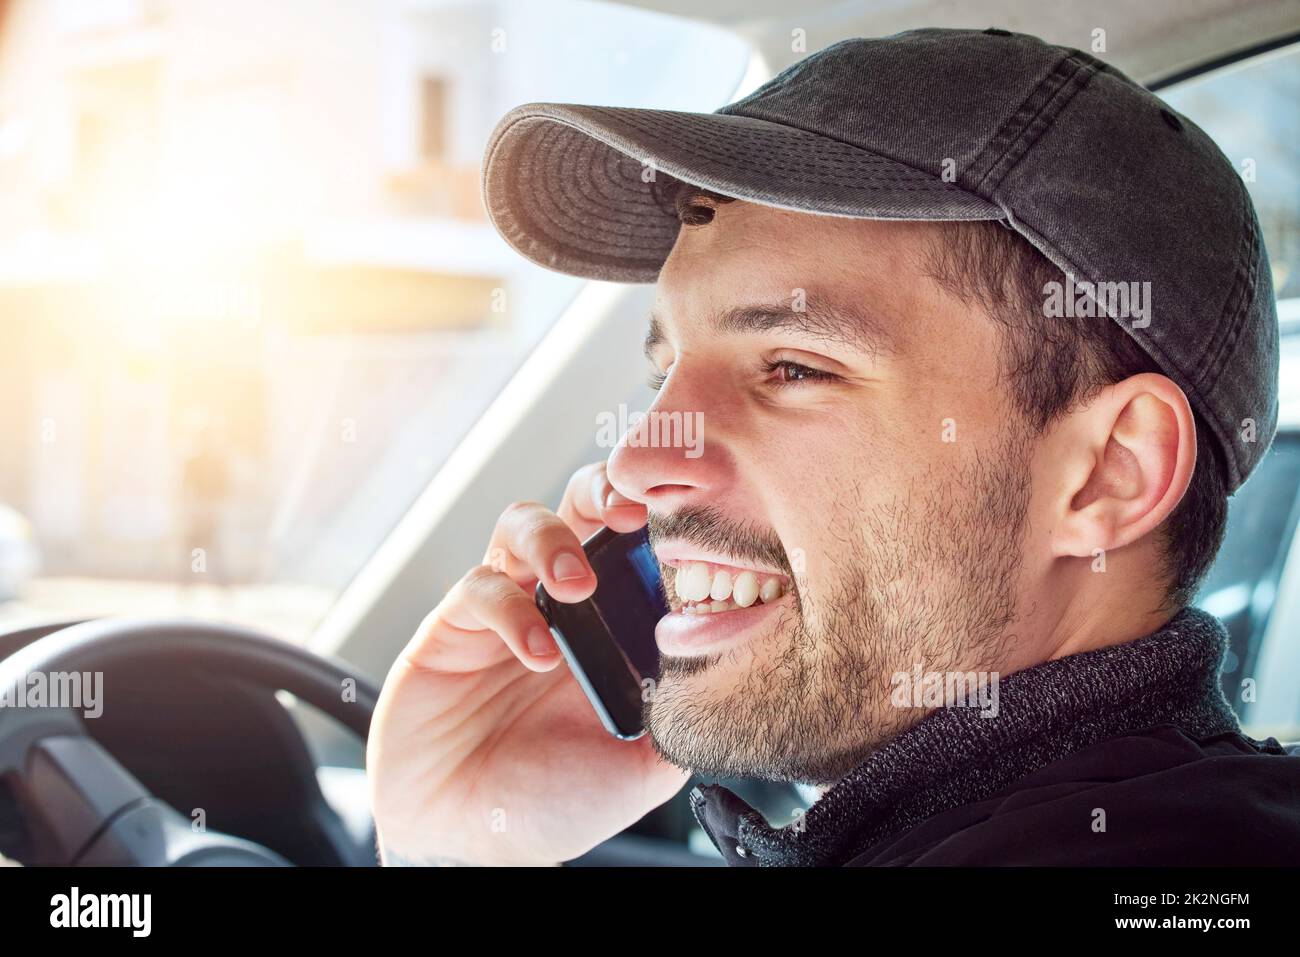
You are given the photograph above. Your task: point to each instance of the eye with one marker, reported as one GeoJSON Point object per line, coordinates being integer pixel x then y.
{"type": "Point", "coordinates": [794, 373]}
{"type": "Point", "coordinates": [656, 380]}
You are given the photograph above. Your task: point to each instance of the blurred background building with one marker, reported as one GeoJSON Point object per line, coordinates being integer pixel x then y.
{"type": "Point", "coordinates": [249, 298]}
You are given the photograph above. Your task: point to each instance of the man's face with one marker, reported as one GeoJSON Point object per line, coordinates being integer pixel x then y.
{"type": "Point", "coordinates": [859, 449]}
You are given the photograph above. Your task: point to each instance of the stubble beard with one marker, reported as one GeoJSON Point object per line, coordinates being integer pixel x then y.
{"type": "Point", "coordinates": [928, 578]}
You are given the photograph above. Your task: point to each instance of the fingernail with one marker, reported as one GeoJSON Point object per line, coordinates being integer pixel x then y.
{"type": "Point", "coordinates": [614, 499]}
{"type": "Point", "coordinates": [568, 567]}
{"type": "Point", "coordinates": [540, 644]}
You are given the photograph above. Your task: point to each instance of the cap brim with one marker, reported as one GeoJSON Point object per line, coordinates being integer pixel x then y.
{"type": "Point", "coordinates": [572, 188]}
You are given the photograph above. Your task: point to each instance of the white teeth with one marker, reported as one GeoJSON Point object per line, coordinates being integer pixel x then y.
{"type": "Point", "coordinates": [745, 590]}
{"type": "Point", "coordinates": [703, 591]}
{"type": "Point", "coordinates": [695, 582]}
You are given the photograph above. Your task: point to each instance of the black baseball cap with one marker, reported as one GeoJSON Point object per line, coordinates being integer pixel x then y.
{"type": "Point", "coordinates": [1103, 177]}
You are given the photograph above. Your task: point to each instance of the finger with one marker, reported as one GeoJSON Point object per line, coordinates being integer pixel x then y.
{"type": "Point", "coordinates": [619, 512]}
{"type": "Point", "coordinates": [595, 503]}
{"type": "Point", "coordinates": [484, 607]}
{"type": "Point", "coordinates": [579, 507]}
{"type": "Point", "coordinates": [537, 545]}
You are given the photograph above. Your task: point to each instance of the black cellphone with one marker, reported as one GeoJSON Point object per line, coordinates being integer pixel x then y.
{"type": "Point", "coordinates": [609, 639]}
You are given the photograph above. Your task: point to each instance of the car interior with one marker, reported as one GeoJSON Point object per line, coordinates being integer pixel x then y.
{"type": "Point", "coordinates": [366, 374]}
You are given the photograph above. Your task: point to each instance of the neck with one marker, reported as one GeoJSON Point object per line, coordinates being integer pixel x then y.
{"type": "Point", "coordinates": [1111, 604]}
{"type": "Point", "coordinates": [957, 756]}
{"type": "Point", "coordinates": [1086, 623]}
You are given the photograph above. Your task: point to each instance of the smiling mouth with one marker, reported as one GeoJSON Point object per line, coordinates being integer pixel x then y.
{"type": "Point", "coordinates": [706, 588]}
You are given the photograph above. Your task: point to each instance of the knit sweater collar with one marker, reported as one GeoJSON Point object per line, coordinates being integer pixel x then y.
{"type": "Point", "coordinates": [957, 756]}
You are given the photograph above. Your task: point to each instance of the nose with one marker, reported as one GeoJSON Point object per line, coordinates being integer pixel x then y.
{"type": "Point", "coordinates": [674, 456]}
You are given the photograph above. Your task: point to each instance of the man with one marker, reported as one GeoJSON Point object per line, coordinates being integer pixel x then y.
{"type": "Point", "coordinates": [983, 336]}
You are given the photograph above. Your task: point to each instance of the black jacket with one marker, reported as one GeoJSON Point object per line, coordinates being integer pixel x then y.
{"type": "Point", "coordinates": [1128, 755]}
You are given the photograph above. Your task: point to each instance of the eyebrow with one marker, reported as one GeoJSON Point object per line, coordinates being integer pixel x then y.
{"type": "Point", "coordinates": [818, 320]}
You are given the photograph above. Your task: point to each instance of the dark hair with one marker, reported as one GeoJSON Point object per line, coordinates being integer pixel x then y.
{"type": "Point", "coordinates": [1052, 364]}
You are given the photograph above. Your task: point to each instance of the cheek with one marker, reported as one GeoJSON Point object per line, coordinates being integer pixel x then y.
{"type": "Point", "coordinates": [811, 487]}
{"type": "Point", "coordinates": [801, 463]}
{"type": "Point", "coordinates": [1047, 499]}
{"type": "Point", "coordinates": [814, 476]}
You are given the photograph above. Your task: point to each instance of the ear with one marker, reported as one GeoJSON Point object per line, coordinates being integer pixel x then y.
{"type": "Point", "coordinates": [1128, 458]}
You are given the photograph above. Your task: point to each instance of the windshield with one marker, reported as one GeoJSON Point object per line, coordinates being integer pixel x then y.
{"type": "Point", "coordinates": [251, 297]}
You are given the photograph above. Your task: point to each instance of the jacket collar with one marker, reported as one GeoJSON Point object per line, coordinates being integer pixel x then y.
{"type": "Point", "coordinates": [957, 756]}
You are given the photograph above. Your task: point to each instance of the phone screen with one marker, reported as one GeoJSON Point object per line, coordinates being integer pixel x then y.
{"type": "Point", "coordinates": [609, 639]}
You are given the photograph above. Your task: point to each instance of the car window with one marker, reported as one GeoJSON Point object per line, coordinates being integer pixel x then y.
{"type": "Point", "coordinates": [1250, 111]}
{"type": "Point", "coordinates": [251, 297]}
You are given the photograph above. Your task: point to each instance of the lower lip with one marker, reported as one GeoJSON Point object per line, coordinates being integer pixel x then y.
{"type": "Point", "coordinates": [683, 635]}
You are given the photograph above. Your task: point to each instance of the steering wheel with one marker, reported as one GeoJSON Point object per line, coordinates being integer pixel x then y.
{"type": "Point", "coordinates": [80, 805]}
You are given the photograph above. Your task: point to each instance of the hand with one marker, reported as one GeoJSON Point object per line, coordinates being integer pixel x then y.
{"type": "Point", "coordinates": [483, 749]}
